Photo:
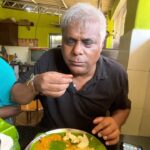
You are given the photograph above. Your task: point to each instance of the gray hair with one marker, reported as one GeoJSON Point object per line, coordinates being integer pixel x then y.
{"type": "Point", "coordinates": [85, 14]}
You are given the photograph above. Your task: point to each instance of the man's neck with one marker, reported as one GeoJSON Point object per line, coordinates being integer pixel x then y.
{"type": "Point", "coordinates": [80, 80]}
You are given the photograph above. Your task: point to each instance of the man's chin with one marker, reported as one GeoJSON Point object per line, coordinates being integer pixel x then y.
{"type": "Point", "coordinates": [77, 72]}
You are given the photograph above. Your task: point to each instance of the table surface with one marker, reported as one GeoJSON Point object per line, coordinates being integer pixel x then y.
{"type": "Point", "coordinates": [27, 134]}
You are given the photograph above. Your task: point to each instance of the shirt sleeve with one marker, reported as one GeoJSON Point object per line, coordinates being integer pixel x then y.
{"type": "Point", "coordinates": [7, 79]}
{"type": "Point", "coordinates": [121, 100]}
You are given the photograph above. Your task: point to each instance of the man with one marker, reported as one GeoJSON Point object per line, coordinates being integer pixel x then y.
{"type": "Point", "coordinates": [76, 85]}
{"type": "Point", "coordinates": [7, 79]}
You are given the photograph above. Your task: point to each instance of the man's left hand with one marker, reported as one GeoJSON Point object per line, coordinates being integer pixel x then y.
{"type": "Point", "coordinates": [107, 128]}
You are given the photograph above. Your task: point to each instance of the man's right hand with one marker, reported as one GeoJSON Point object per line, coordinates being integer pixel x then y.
{"type": "Point", "coordinates": [52, 83]}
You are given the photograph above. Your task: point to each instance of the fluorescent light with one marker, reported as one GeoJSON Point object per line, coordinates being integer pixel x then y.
{"type": "Point", "coordinates": [29, 9]}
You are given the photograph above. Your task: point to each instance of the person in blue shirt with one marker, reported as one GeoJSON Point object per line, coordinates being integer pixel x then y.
{"type": "Point", "coordinates": [7, 79]}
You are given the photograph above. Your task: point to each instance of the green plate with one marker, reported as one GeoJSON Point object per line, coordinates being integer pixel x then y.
{"type": "Point", "coordinates": [11, 131]}
{"type": "Point", "coordinates": [93, 141]}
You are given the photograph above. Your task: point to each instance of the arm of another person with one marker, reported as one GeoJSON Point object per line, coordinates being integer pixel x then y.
{"type": "Point", "coordinates": [9, 111]}
{"type": "Point", "coordinates": [48, 84]}
{"type": "Point", "coordinates": [22, 94]}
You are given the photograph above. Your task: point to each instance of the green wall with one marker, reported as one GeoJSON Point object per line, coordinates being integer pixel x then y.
{"type": "Point", "coordinates": [143, 15]}
{"type": "Point", "coordinates": [138, 15]}
{"type": "Point", "coordinates": [42, 25]}
{"type": "Point", "coordinates": [110, 30]}
{"type": "Point", "coordinates": [110, 25]}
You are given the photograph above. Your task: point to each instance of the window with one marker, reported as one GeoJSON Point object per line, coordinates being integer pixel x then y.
{"type": "Point", "coordinates": [55, 40]}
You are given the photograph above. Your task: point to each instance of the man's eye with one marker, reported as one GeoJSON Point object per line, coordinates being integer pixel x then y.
{"type": "Point", "coordinates": [88, 42]}
{"type": "Point", "coordinates": [70, 41]}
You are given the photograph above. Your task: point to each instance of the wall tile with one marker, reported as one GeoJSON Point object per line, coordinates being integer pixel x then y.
{"type": "Point", "coordinates": [137, 87]}
{"type": "Point", "coordinates": [147, 100]}
{"type": "Point", "coordinates": [132, 125]}
{"type": "Point", "coordinates": [139, 50]}
{"type": "Point", "coordinates": [145, 125]}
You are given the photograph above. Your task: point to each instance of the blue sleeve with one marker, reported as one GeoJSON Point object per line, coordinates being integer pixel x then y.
{"type": "Point", "coordinates": [7, 79]}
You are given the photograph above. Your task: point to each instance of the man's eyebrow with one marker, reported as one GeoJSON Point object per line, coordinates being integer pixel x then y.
{"type": "Point", "coordinates": [69, 38]}
{"type": "Point", "coordinates": [87, 39]}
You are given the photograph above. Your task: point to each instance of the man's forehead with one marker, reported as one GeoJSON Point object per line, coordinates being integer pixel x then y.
{"type": "Point", "coordinates": [83, 25]}
{"type": "Point", "coordinates": [81, 31]}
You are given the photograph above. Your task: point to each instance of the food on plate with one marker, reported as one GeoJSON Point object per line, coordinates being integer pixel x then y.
{"type": "Point", "coordinates": [81, 141]}
{"type": "Point", "coordinates": [66, 141]}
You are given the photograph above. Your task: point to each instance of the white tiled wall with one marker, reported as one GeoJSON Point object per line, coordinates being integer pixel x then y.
{"type": "Point", "coordinates": [140, 50]}
{"type": "Point", "coordinates": [145, 122]}
{"type": "Point", "coordinates": [138, 42]}
{"type": "Point", "coordinates": [132, 125]}
{"type": "Point", "coordinates": [137, 93]}
{"type": "Point", "coordinates": [147, 101]}
{"type": "Point", "coordinates": [137, 87]}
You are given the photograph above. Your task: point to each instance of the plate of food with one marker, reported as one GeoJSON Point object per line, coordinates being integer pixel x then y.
{"type": "Point", "coordinates": [66, 139]}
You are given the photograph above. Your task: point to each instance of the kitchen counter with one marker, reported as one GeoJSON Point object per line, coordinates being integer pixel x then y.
{"type": "Point", "coordinates": [27, 134]}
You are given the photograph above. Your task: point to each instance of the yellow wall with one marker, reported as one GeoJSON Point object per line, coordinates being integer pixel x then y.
{"type": "Point", "coordinates": [143, 15]}
{"type": "Point", "coordinates": [42, 25]}
{"type": "Point", "coordinates": [137, 15]}
{"type": "Point", "coordinates": [110, 30]}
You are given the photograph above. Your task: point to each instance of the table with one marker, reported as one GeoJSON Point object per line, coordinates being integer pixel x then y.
{"type": "Point", "coordinates": [27, 134]}
{"type": "Point", "coordinates": [142, 141]}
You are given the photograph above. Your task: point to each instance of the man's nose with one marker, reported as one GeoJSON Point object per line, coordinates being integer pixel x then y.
{"type": "Point", "coordinates": [78, 49]}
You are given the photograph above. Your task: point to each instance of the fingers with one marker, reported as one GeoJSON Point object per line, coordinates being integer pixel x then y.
{"type": "Point", "coordinates": [57, 87]}
{"type": "Point", "coordinates": [113, 141]}
{"type": "Point", "coordinates": [101, 124]}
{"type": "Point", "coordinates": [59, 78]}
{"type": "Point", "coordinates": [67, 76]}
{"type": "Point", "coordinates": [52, 83]}
{"type": "Point", "coordinates": [107, 128]}
{"type": "Point", "coordinates": [54, 94]}
{"type": "Point", "coordinates": [55, 90]}
{"type": "Point", "coordinates": [112, 135]}
{"type": "Point", "coordinates": [98, 120]}
{"type": "Point", "coordinates": [112, 138]}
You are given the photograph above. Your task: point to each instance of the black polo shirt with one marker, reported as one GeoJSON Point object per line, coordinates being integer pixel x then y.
{"type": "Point", "coordinates": [106, 91]}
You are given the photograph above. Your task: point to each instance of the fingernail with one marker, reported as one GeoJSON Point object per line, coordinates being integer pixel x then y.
{"type": "Point", "coordinates": [105, 137]}
{"type": "Point", "coordinates": [107, 143]}
{"type": "Point", "coordinates": [93, 131]}
{"type": "Point", "coordinates": [99, 134]}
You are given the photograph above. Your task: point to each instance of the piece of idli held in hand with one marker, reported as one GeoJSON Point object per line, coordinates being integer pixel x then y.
{"type": "Point", "coordinates": [6, 142]}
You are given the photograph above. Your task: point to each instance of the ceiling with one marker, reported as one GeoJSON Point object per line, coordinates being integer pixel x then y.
{"type": "Point", "coordinates": [53, 6]}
